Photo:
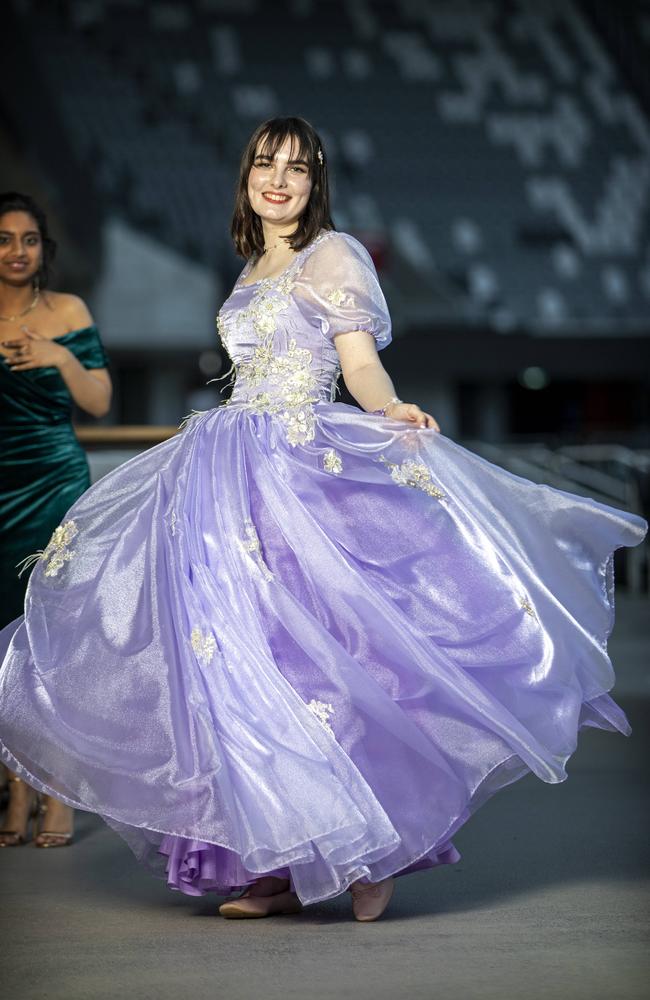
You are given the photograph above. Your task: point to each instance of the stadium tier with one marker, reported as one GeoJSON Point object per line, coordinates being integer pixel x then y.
{"type": "Point", "coordinates": [495, 155]}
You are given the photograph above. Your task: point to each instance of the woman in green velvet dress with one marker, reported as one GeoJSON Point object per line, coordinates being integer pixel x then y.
{"type": "Point", "coordinates": [50, 357]}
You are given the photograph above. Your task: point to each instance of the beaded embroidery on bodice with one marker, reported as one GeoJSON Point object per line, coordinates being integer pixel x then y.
{"type": "Point", "coordinates": [283, 364]}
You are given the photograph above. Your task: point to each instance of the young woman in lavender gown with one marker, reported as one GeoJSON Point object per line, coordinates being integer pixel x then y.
{"type": "Point", "coordinates": [50, 357]}
{"type": "Point", "coordinates": [291, 650]}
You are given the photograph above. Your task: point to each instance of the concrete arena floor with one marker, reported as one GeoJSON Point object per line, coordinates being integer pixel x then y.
{"type": "Point", "coordinates": [549, 901]}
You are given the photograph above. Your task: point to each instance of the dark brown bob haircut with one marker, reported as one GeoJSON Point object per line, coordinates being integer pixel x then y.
{"type": "Point", "coordinates": [246, 226]}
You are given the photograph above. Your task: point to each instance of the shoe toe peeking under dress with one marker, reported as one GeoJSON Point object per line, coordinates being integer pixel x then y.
{"type": "Point", "coordinates": [248, 907]}
{"type": "Point", "coordinates": [370, 900]}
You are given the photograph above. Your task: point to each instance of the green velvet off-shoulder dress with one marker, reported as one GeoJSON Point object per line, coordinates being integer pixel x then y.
{"type": "Point", "coordinates": [43, 468]}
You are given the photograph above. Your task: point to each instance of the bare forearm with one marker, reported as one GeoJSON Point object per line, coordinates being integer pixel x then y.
{"type": "Point", "coordinates": [88, 392]}
{"type": "Point", "coordinates": [370, 385]}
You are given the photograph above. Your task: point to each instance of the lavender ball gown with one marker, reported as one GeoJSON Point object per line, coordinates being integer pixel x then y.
{"type": "Point", "coordinates": [302, 639]}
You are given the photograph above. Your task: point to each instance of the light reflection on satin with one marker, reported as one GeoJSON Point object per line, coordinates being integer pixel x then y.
{"type": "Point", "coordinates": [221, 583]}
{"type": "Point", "coordinates": [388, 605]}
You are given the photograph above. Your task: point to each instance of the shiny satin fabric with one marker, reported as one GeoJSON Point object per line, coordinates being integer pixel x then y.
{"type": "Point", "coordinates": [43, 468]}
{"type": "Point", "coordinates": [305, 639]}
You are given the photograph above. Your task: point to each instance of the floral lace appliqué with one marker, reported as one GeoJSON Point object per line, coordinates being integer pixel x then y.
{"type": "Point", "coordinates": [332, 462]}
{"type": "Point", "coordinates": [222, 331]}
{"type": "Point", "coordinates": [292, 388]}
{"type": "Point", "coordinates": [528, 607]}
{"type": "Point", "coordinates": [204, 646]}
{"type": "Point", "coordinates": [289, 386]}
{"type": "Point", "coordinates": [337, 297]}
{"type": "Point", "coordinates": [57, 551]}
{"type": "Point", "coordinates": [272, 297]}
{"type": "Point", "coordinates": [414, 474]}
{"type": "Point", "coordinates": [251, 544]}
{"type": "Point", "coordinates": [322, 710]}
{"type": "Point", "coordinates": [278, 377]}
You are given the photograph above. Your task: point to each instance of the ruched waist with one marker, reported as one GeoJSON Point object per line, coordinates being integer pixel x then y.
{"type": "Point", "coordinates": [45, 444]}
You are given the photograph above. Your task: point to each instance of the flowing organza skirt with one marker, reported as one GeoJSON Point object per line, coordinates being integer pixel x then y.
{"type": "Point", "coordinates": [319, 660]}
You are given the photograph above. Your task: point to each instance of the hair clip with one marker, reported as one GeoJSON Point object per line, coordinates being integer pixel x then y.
{"type": "Point", "coordinates": [319, 154]}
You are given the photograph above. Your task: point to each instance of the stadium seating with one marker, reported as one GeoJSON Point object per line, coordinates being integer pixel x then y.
{"type": "Point", "coordinates": [495, 149]}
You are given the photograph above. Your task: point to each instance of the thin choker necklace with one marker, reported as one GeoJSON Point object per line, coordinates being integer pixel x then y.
{"type": "Point", "coordinates": [274, 247]}
{"type": "Point", "coordinates": [32, 305]}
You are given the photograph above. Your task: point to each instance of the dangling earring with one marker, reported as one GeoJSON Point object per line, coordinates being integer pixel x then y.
{"type": "Point", "coordinates": [36, 284]}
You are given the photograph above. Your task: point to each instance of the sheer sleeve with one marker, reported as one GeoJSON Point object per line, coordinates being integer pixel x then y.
{"type": "Point", "coordinates": [341, 284]}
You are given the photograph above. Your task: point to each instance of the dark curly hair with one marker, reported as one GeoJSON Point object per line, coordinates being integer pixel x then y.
{"type": "Point", "coordinates": [14, 201]}
{"type": "Point", "coordinates": [246, 227]}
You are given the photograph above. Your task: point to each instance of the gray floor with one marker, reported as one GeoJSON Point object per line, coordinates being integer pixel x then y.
{"type": "Point", "coordinates": [549, 901]}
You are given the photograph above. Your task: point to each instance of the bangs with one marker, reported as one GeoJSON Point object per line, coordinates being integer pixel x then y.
{"type": "Point", "coordinates": [276, 135]}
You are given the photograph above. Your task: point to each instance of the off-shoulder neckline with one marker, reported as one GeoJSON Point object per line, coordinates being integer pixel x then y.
{"type": "Point", "coordinates": [73, 333]}
{"type": "Point", "coordinates": [276, 277]}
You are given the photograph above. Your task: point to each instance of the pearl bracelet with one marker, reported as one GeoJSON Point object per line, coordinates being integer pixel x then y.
{"type": "Point", "coordinates": [382, 412]}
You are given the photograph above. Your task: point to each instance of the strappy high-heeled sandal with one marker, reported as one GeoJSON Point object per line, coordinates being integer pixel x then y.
{"type": "Point", "coordinates": [16, 838]}
{"type": "Point", "coordinates": [50, 838]}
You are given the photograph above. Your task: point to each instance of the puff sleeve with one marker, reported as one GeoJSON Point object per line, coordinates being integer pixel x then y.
{"type": "Point", "coordinates": [341, 285]}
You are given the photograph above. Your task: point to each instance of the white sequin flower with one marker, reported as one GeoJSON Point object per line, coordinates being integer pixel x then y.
{"type": "Point", "coordinates": [322, 710]}
{"type": "Point", "coordinates": [337, 297]}
{"type": "Point", "coordinates": [332, 462]}
{"type": "Point", "coordinates": [57, 551]}
{"type": "Point", "coordinates": [413, 474]}
{"type": "Point", "coordinates": [204, 646]}
{"type": "Point", "coordinates": [525, 604]}
{"type": "Point", "coordinates": [252, 545]}
{"type": "Point", "coordinates": [288, 387]}
{"type": "Point", "coordinates": [292, 388]}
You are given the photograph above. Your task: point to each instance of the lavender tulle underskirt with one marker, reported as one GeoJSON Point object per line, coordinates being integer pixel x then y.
{"type": "Point", "coordinates": [317, 660]}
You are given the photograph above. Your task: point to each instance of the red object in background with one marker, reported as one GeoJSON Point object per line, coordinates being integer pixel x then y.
{"type": "Point", "coordinates": [377, 246]}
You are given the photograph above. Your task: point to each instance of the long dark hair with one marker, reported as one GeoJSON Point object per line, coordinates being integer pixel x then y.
{"type": "Point", "coordinates": [14, 201]}
{"type": "Point", "coordinates": [246, 227]}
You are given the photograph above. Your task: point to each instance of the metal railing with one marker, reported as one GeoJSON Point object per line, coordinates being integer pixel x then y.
{"type": "Point", "coordinates": [609, 473]}
{"type": "Point", "coordinates": [124, 436]}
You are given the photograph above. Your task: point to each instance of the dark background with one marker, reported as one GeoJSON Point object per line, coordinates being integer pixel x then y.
{"type": "Point", "coordinates": [494, 158]}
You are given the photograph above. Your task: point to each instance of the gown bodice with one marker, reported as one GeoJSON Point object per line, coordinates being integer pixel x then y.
{"type": "Point", "coordinates": [279, 331]}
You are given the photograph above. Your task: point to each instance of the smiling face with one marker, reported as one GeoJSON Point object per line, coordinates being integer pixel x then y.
{"type": "Point", "coordinates": [279, 186]}
{"type": "Point", "coordinates": [21, 248]}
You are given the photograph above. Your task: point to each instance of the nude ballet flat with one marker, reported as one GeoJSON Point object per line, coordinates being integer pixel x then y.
{"type": "Point", "coordinates": [251, 907]}
{"type": "Point", "coordinates": [369, 900]}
